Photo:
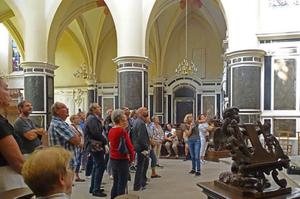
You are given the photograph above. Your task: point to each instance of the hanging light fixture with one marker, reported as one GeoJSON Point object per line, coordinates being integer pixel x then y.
{"type": "Point", "coordinates": [186, 67]}
{"type": "Point", "coordinates": [83, 73]}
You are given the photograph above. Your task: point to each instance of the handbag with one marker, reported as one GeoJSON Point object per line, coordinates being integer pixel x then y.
{"type": "Point", "coordinates": [95, 146]}
{"type": "Point", "coordinates": [122, 148]}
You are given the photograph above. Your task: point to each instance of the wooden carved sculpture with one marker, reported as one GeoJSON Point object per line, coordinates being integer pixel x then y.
{"type": "Point", "coordinates": [250, 164]}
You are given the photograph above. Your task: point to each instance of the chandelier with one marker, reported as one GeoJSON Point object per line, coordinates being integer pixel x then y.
{"type": "Point", "coordinates": [82, 72]}
{"type": "Point", "coordinates": [186, 67]}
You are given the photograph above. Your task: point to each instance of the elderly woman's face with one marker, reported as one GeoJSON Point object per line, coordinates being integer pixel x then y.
{"type": "Point", "coordinates": [4, 94]}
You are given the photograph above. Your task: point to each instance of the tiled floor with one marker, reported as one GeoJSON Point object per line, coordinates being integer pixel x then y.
{"type": "Point", "coordinates": [176, 182]}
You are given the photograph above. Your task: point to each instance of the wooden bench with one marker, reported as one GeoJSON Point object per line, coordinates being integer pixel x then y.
{"type": "Point", "coordinates": [180, 147]}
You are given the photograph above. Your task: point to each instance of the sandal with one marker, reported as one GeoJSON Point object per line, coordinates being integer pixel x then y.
{"type": "Point", "coordinates": [156, 176]}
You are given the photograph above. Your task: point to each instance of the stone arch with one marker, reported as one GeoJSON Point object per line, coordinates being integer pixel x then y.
{"type": "Point", "coordinates": [66, 13]}
{"type": "Point", "coordinates": [161, 7]}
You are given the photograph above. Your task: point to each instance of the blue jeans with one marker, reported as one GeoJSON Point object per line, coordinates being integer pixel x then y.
{"type": "Point", "coordinates": [194, 147]}
{"type": "Point", "coordinates": [140, 178]}
{"type": "Point", "coordinates": [89, 166]}
{"type": "Point", "coordinates": [79, 155]}
{"type": "Point", "coordinates": [153, 158]}
{"type": "Point", "coordinates": [99, 166]}
{"type": "Point", "coordinates": [120, 170]}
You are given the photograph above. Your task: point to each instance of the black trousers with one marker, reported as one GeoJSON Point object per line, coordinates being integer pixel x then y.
{"type": "Point", "coordinates": [120, 171]}
{"type": "Point", "coordinates": [140, 178]}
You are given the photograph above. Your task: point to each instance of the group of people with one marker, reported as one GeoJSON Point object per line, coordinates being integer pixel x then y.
{"type": "Point", "coordinates": [29, 150]}
{"type": "Point", "coordinates": [89, 142]}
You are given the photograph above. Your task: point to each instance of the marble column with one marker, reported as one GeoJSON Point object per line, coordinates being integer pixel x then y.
{"type": "Point", "coordinates": [39, 89]}
{"type": "Point", "coordinates": [158, 90]}
{"type": "Point", "coordinates": [132, 81]}
{"type": "Point", "coordinates": [92, 92]}
{"type": "Point", "coordinates": [244, 81]}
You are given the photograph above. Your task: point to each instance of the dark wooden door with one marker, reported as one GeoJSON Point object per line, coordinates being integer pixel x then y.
{"type": "Point", "coordinates": [183, 108]}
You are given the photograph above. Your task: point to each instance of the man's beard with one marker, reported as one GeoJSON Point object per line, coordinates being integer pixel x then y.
{"type": "Point", "coordinates": [27, 113]}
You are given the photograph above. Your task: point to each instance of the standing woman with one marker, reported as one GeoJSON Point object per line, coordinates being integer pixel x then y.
{"type": "Point", "coordinates": [202, 126]}
{"type": "Point", "coordinates": [158, 137]}
{"type": "Point", "coordinates": [188, 118]}
{"type": "Point", "coordinates": [192, 133]}
{"type": "Point", "coordinates": [119, 162]}
{"type": "Point", "coordinates": [11, 159]}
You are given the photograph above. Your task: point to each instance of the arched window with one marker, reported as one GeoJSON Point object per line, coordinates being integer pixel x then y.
{"type": "Point", "coordinates": [16, 57]}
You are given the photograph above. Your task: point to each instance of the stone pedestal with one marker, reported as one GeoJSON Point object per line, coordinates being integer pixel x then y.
{"type": "Point", "coordinates": [244, 82]}
{"type": "Point", "coordinates": [39, 89]}
{"type": "Point", "coordinates": [132, 81]}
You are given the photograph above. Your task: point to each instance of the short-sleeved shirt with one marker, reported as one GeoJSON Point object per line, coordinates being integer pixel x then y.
{"type": "Point", "coordinates": [60, 133]}
{"type": "Point", "coordinates": [23, 125]}
{"type": "Point", "coordinates": [202, 129]}
{"type": "Point", "coordinates": [6, 129]}
{"type": "Point", "coordinates": [194, 134]}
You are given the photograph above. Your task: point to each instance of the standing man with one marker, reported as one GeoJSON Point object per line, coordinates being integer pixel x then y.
{"type": "Point", "coordinates": [28, 131]}
{"type": "Point", "coordinates": [141, 145]}
{"type": "Point", "coordinates": [60, 133]}
{"type": "Point", "coordinates": [96, 145]}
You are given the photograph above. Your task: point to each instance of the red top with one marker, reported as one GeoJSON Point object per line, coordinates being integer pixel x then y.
{"type": "Point", "coordinates": [114, 139]}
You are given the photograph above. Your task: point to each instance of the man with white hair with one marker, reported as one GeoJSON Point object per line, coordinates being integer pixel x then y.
{"type": "Point", "coordinates": [60, 133]}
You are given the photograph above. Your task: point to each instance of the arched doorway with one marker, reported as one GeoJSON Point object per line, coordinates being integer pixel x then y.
{"type": "Point", "coordinates": [184, 102]}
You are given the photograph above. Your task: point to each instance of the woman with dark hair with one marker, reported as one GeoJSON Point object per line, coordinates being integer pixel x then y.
{"type": "Point", "coordinates": [119, 161]}
{"type": "Point", "coordinates": [11, 159]}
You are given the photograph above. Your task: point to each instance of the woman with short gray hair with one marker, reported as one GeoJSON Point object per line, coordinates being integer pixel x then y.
{"type": "Point", "coordinates": [119, 161]}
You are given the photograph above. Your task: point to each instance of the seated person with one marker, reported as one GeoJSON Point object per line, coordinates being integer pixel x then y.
{"type": "Point", "coordinates": [171, 139]}
{"type": "Point", "coordinates": [47, 173]}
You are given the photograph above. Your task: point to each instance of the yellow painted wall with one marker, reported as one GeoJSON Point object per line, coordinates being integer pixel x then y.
{"type": "Point", "coordinates": [68, 57]}
{"type": "Point", "coordinates": [106, 68]}
{"type": "Point", "coordinates": [200, 35]}
{"type": "Point", "coordinates": [152, 69]}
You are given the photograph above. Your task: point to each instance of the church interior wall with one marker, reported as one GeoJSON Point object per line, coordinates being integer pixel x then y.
{"type": "Point", "coordinates": [105, 67]}
{"type": "Point", "coordinates": [204, 48]}
{"type": "Point", "coordinates": [5, 51]}
{"type": "Point", "coordinates": [278, 16]}
{"type": "Point", "coordinates": [69, 58]}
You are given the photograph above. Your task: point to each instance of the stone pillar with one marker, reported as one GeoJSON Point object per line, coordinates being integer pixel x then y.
{"type": "Point", "coordinates": [92, 92]}
{"type": "Point", "coordinates": [132, 81]}
{"type": "Point", "coordinates": [244, 82]}
{"type": "Point", "coordinates": [39, 89]}
{"type": "Point", "coordinates": [158, 90]}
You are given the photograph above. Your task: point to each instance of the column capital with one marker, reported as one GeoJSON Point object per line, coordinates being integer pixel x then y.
{"type": "Point", "coordinates": [132, 63]}
{"type": "Point", "coordinates": [247, 56]}
{"type": "Point", "coordinates": [91, 83]}
{"type": "Point", "coordinates": [38, 67]}
{"type": "Point", "coordinates": [132, 59]}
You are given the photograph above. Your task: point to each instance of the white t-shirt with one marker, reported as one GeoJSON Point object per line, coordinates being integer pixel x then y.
{"type": "Point", "coordinates": [202, 129]}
